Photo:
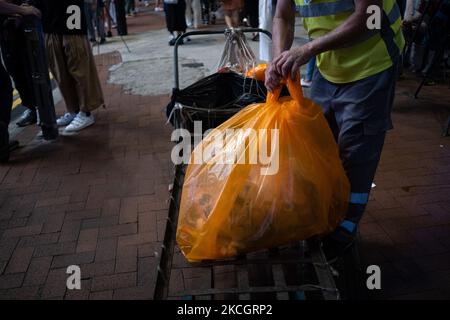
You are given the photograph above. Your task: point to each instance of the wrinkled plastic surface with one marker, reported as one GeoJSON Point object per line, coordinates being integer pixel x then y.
{"type": "Point", "coordinates": [237, 55]}
{"type": "Point", "coordinates": [258, 72]}
{"type": "Point", "coordinates": [229, 209]}
{"type": "Point", "coordinates": [213, 100]}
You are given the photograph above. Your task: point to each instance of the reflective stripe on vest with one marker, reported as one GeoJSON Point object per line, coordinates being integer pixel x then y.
{"type": "Point", "coordinates": [325, 8]}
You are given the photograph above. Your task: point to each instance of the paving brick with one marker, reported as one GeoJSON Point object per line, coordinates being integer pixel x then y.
{"type": "Point", "coordinates": [82, 294]}
{"type": "Point", "coordinates": [104, 221]}
{"type": "Point", "coordinates": [119, 230]}
{"type": "Point", "coordinates": [23, 231]}
{"type": "Point", "coordinates": [54, 223]}
{"type": "Point", "coordinates": [149, 250]}
{"type": "Point", "coordinates": [133, 293]}
{"type": "Point", "coordinates": [102, 295]}
{"type": "Point", "coordinates": [73, 259]}
{"type": "Point", "coordinates": [147, 272]}
{"type": "Point", "coordinates": [20, 260]}
{"type": "Point", "coordinates": [11, 280]}
{"type": "Point", "coordinates": [111, 207]}
{"type": "Point", "coordinates": [112, 282]}
{"type": "Point", "coordinates": [147, 222]}
{"type": "Point", "coordinates": [84, 214]}
{"type": "Point", "coordinates": [38, 271]}
{"type": "Point", "coordinates": [106, 249]}
{"type": "Point", "coordinates": [153, 203]}
{"type": "Point", "coordinates": [176, 283]}
{"type": "Point", "coordinates": [137, 239]}
{"type": "Point", "coordinates": [55, 284]}
{"type": "Point", "coordinates": [56, 249]}
{"type": "Point", "coordinates": [87, 240]}
{"type": "Point", "coordinates": [101, 268]}
{"type": "Point", "coordinates": [17, 223]}
{"type": "Point", "coordinates": [70, 231]}
{"type": "Point", "coordinates": [128, 210]}
{"type": "Point", "coordinates": [7, 246]}
{"type": "Point", "coordinates": [38, 240]}
{"type": "Point", "coordinates": [126, 260]}
{"type": "Point", "coordinates": [23, 293]}
{"type": "Point", "coordinates": [52, 201]}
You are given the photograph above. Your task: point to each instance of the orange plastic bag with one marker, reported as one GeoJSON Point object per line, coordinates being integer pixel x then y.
{"type": "Point", "coordinates": [258, 72]}
{"type": "Point", "coordinates": [232, 208]}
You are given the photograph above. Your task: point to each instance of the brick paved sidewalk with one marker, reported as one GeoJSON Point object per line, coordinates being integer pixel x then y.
{"type": "Point", "coordinates": [97, 200]}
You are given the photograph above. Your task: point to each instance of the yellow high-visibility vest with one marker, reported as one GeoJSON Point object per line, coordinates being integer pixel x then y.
{"type": "Point", "coordinates": [372, 55]}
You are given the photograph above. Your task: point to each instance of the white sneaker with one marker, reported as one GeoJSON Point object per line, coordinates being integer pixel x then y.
{"type": "Point", "coordinates": [66, 119]}
{"type": "Point", "coordinates": [80, 122]}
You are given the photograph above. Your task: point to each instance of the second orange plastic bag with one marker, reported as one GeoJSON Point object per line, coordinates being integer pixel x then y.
{"type": "Point", "coordinates": [231, 208]}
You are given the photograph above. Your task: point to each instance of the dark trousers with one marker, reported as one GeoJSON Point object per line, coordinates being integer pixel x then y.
{"type": "Point", "coordinates": [122, 29]}
{"type": "Point", "coordinates": [359, 116]}
{"type": "Point", "coordinates": [15, 58]}
{"type": "Point", "coordinates": [251, 8]}
{"type": "Point", "coordinates": [6, 95]}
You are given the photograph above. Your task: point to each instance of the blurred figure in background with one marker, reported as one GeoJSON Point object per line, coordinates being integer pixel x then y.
{"type": "Point", "coordinates": [159, 6]}
{"type": "Point", "coordinates": [232, 9]}
{"type": "Point", "coordinates": [430, 23]}
{"type": "Point", "coordinates": [12, 39]}
{"type": "Point", "coordinates": [72, 64]}
{"type": "Point", "coordinates": [175, 11]}
{"type": "Point", "coordinates": [121, 17]}
{"type": "Point", "coordinates": [6, 89]}
{"type": "Point", "coordinates": [266, 13]}
{"type": "Point", "coordinates": [193, 13]}
{"type": "Point", "coordinates": [95, 20]}
{"type": "Point", "coordinates": [130, 8]}
{"type": "Point", "coordinates": [251, 9]}
{"type": "Point", "coordinates": [110, 20]}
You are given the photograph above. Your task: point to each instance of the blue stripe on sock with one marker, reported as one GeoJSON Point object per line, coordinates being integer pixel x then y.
{"type": "Point", "coordinates": [359, 198]}
{"type": "Point", "coordinates": [348, 225]}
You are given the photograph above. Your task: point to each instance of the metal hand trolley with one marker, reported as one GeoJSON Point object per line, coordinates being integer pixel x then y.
{"type": "Point", "coordinates": [297, 272]}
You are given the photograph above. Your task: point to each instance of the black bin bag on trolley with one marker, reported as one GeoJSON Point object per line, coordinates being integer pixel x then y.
{"type": "Point", "coordinates": [213, 100]}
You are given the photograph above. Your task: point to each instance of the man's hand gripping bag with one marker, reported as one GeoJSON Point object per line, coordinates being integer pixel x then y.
{"type": "Point", "coordinates": [269, 176]}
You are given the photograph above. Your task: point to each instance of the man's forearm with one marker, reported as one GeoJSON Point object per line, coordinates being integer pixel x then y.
{"type": "Point", "coordinates": [282, 36]}
{"type": "Point", "coordinates": [352, 31]}
{"type": "Point", "coordinates": [10, 9]}
{"type": "Point", "coordinates": [283, 27]}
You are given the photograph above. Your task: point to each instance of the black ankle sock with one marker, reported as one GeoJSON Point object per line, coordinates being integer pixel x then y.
{"type": "Point", "coordinates": [88, 114]}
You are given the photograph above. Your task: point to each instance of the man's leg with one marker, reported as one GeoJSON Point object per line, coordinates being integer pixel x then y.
{"type": "Point", "coordinates": [82, 68]}
{"type": "Point", "coordinates": [16, 64]}
{"type": "Point", "coordinates": [89, 21]}
{"type": "Point", "coordinates": [359, 116]}
{"type": "Point", "coordinates": [58, 66]}
{"type": "Point", "coordinates": [6, 96]}
{"type": "Point", "coordinates": [100, 23]}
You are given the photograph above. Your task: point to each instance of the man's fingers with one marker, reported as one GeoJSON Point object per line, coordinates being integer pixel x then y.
{"type": "Point", "coordinates": [279, 66]}
{"type": "Point", "coordinates": [295, 70]}
{"type": "Point", "coordinates": [287, 67]}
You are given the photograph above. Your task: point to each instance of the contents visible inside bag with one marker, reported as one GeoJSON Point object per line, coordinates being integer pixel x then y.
{"type": "Point", "coordinates": [293, 188]}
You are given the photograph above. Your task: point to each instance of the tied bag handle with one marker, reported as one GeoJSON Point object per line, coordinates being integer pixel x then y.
{"type": "Point", "coordinates": [294, 88]}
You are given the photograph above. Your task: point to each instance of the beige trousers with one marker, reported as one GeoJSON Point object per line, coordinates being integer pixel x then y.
{"type": "Point", "coordinates": [72, 64]}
